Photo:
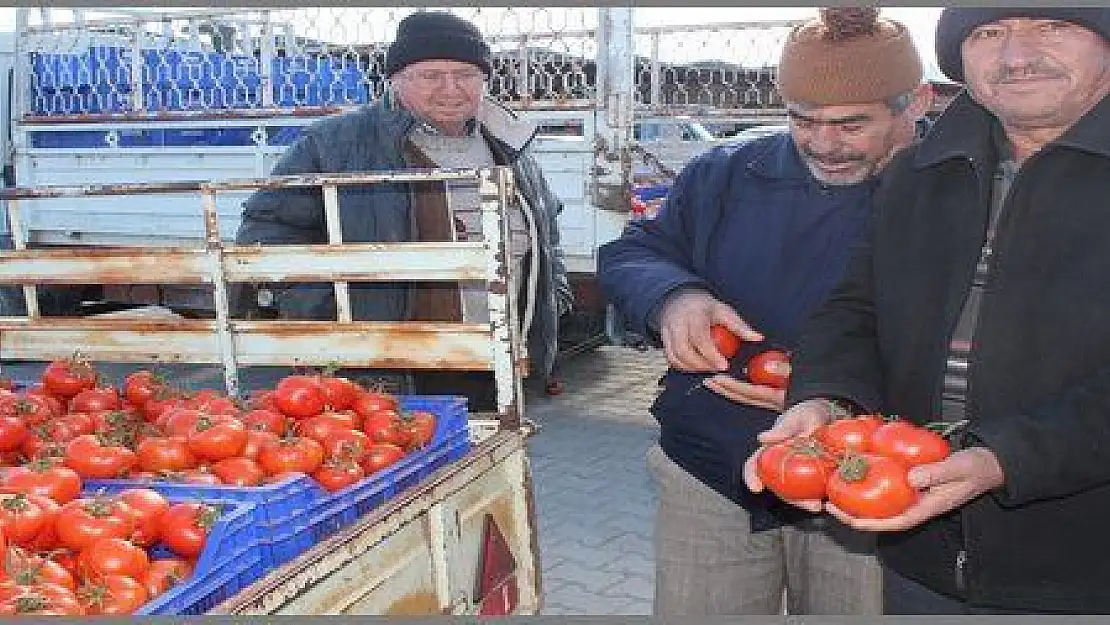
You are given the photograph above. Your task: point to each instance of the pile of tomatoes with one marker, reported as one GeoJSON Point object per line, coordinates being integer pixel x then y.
{"type": "Point", "coordinates": [322, 425]}
{"type": "Point", "coordinates": [859, 464]}
{"type": "Point", "coordinates": [66, 554]}
{"type": "Point", "coordinates": [768, 367]}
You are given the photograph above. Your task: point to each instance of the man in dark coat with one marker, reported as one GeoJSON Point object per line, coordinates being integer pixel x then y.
{"type": "Point", "coordinates": [435, 114]}
{"type": "Point", "coordinates": [980, 299]}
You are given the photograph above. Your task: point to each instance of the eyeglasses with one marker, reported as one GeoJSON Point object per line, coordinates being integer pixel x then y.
{"type": "Point", "coordinates": [468, 77]}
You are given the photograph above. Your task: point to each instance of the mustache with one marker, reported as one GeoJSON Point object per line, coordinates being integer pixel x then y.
{"type": "Point", "coordinates": [836, 158]}
{"type": "Point", "coordinates": [1034, 69]}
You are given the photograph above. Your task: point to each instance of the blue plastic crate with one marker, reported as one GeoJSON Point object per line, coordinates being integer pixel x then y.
{"type": "Point", "coordinates": [297, 513]}
{"type": "Point", "coordinates": [231, 560]}
{"type": "Point", "coordinates": [317, 81]}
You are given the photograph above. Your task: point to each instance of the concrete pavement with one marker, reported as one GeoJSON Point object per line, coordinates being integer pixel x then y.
{"type": "Point", "coordinates": [595, 501]}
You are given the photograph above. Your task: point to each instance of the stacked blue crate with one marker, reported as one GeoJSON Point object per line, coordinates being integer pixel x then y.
{"type": "Point", "coordinates": [190, 80]}
{"type": "Point", "coordinates": [98, 80]}
{"type": "Point", "coordinates": [317, 81]}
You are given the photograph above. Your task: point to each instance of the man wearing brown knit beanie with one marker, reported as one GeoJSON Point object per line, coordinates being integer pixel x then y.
{"type": "Point", "coordinates": [753, 237]}
{"type": "Point", "coordinates": [980, 299]}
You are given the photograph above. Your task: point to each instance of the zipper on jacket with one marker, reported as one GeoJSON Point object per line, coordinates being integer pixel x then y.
{"type": "Point", "coordinates": [961, 567]}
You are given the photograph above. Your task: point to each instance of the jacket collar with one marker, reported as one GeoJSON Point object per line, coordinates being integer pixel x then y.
{"type": "Point", "coordinates": [965, 130]}
{"type": "Point", "coordinates": [778, 158]}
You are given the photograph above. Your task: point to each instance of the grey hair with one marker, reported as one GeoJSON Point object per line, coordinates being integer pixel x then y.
{"type": "Point", "coordinates": [899, 103]}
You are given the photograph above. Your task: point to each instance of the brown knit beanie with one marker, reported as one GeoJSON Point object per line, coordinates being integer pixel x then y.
{"type": "Point", "coordinates": [848, 56]}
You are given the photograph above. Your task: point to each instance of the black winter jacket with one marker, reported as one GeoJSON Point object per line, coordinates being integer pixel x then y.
{"type": "Point", "coordinates": [1039, 394]}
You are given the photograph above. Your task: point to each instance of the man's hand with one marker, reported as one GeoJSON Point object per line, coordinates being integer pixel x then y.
{"type": "Point", "coordinates": [684, 326]}
{"type": "Point", "coordinates": [944, 486]}
{"type": "Point", "coordinates": [801, 420]}
{"type": "Point", "coordinates": [757, 395]}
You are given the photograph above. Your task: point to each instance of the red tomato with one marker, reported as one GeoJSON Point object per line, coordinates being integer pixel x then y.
{"type": "Point", "coordinates": [47, 477]}
{"type": "Point", "coordinates": [147, 507]}
{"type": "Point", "coordinates": [83, 521]}
{"type": "Point", "coordinates": [256, 440]}
{"type": "Point", "coordinates": [23, 517]}
{"type": "Point", "coordinates": [795, 469]}
{"type": "Point", "coordinates": [769, 368]}
{"type": "Point", "coordinates": [41, 600]}
{"type": "Point", "coordinates": [299, 396]}
{"type": "Point", "coordinates": [22, 568]}
{"type": "Point", "coordinates": [92, 459]}
{"type": "Point", "coordinates": [909, 443]}
{"type": "Point", "coordinates": [294, 453]}
{"type": "Point", "coordinates": [380, 456]}
{"type": "Point", "coordinates": [179, 420]}
{"type": "Point", "coordinates": [871, 486]}
{"type": "Point", "coordinates": [113, 556]}
{"type": "Point", "coordinates": [169, 453]}
{"type": "Point", "coordinates": [239, 472]}
{"type": "Point", "coordinates": [165, 574]}
{"type": "Point", "coordinates": [142, 386]}
{"type": "Point", "coordinates": [338, 474]}
{"type": "Point", "coordinates": [384, 426]}
{"type": "Point", "coordinates": [374, 401]}
{"type": "Point", "coordinates": [95, 400]}
{"type": "Point", "coordinates": [421, 428]}
{"type": "Point", "coordinates": [33, 409]}
{"type": "Point", "coordinates": [726, 342]}
{"type": "Point", "coordinates": [186, 525]}
{"type": "Point", "coordinates": [112, 595]}
{"type": "Point", "coordinates": [347, 444]}
{"type": "Point", "coordinates": [68, 377]}
{"type": "Point", "coordinates": [849, 434]}
{"type": "Point", "coordinates": [339, 393]}
{"type": "Point", "coordinates": [266, 421]}
{"type": "Point", "coordinates": [322, 427]}
{"type": "Point", "coordinates": [216, 438]}
{"type": "Point", "coordinates": [13, 431]}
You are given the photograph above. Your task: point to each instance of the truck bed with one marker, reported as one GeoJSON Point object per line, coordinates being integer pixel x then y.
{"type": "Point", "coordinates": [420, 552]}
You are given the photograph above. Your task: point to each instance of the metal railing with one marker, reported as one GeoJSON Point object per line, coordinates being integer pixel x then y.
{"type": "Point", "coordinates": [234, 342]}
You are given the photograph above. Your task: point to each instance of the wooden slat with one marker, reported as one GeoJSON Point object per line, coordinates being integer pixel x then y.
{"type": "Point", "coordinates": [106, 266]}
{"type": "Point", "coordinates": [354, 262]}
{"type": "Point", "coordinates": [257, 343]}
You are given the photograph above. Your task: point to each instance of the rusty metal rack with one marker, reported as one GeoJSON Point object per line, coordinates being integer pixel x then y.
{"type": "Point", "coordinates": [233, 343]}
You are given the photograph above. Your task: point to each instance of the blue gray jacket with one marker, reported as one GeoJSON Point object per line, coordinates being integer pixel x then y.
{"type": "Point", "coordinates": [372, 139]}
{"type": "Point", "coordinates": [749, 224]}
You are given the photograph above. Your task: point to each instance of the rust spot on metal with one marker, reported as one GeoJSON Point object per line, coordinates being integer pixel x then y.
{"type": "Point", "coordinates": [414, 604]}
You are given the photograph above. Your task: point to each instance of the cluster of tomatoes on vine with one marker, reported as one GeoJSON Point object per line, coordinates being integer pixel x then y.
{"type": "Point", "coordinates": [319, 424]}
{"type": "Point", "coordinates": [860, 464]}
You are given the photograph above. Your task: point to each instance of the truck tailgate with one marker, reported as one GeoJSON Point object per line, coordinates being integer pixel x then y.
{"type": "Point", "coordinates": [420, 552]}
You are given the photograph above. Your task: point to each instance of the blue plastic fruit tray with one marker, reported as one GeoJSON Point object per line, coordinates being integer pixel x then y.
{"type": "Point", "coordinates": [295, 514]}
{"type": "Point", "coordinates": [231, 560]}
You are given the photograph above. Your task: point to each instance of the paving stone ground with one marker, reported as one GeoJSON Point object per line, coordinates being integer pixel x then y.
{"type": "Point", "coordinates": [595, 502]}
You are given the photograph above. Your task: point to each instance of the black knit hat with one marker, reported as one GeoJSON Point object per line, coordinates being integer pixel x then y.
{"type": "Point", "coordinates": [955, 25]}
{"type": "Point", "coordinates": [436, 35]}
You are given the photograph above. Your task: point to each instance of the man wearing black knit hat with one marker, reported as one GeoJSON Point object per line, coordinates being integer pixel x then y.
{"type": "Point", "coordinates": [980, 300]}
{"type": "Point", "coordinates": [435, 114]}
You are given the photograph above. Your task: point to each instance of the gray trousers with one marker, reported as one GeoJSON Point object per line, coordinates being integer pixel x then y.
{"type": "Point", "coordinates": [708, 561]}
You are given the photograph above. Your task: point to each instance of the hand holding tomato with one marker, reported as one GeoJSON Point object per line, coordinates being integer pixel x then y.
{"type": "Point", "coordinates": [801, 420]}
{"type": "Point", "coordinates": [942, 486]}
{"type": "Point", "coordinates": [758, 395]}
{"type": "Point", "coordinates": [685, 324]}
